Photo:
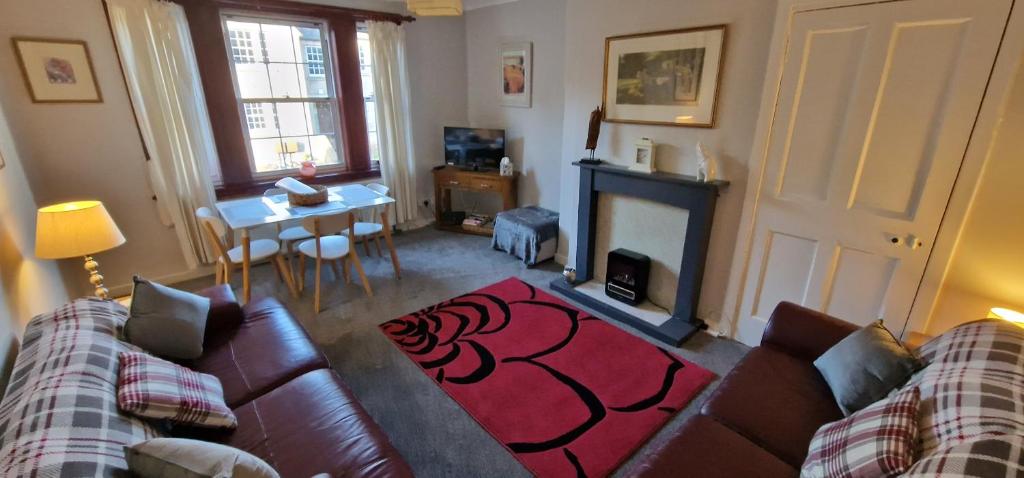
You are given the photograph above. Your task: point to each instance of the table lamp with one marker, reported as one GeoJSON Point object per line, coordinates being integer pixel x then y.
{"type": "Point", "coordinates": [1007, 315]}
{"type": "Point", "coordinates": [77, 229]}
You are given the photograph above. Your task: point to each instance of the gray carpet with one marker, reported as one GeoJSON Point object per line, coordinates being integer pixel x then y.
{"type": "Point", "coordinates": [436, 436]}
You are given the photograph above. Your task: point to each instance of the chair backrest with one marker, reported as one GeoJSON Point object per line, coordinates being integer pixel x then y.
{"type": "Point", "coordinates": [380, 188]}
{"type": "Point", "coordinates": [215, 230]}
{"type": "Point", "coordinates": [274, 192]}
{"type": "Point", "coordinates": [329, 223]}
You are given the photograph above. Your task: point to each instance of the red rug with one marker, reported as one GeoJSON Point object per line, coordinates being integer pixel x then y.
{"type": "Point", "coordinates": [568, 394]}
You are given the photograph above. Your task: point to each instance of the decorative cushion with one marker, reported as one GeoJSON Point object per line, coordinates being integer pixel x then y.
{"type": "Point", "coordinates": [167, 321]}
{"type": "Point", "coordinates": [155, 388]}
{"type": "Point", "coordinates": [865, 366]}
{"type": "Point", "coordinates": [180, 457]}
{"type": "Point", "coordinates": [877, 441]}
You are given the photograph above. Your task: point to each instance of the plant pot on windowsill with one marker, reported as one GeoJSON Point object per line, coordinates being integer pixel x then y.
{"type": "Point", "coordinates": [319, 197]}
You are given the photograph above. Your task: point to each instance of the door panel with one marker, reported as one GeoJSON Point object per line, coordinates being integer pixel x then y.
{"type": "Point", "coordinates": [830, 64]}
{"type": "Point", "coordinates": [859, 285]}
{"type": "Point", "coordinates": [874, 111]}
{"type": "Point", "coordinates": [916, 84]}
{"type": "Point", "coordinates": [787, 267]}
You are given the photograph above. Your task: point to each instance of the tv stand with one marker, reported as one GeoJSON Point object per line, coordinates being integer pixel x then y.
{"type": "Point", "coordinates": [451, 178]}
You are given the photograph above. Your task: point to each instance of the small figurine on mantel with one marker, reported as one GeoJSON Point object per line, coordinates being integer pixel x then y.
{"type": "Point", "coordinates": [707, 166]}
{"type": "Point", "coordinates": [593, 131]}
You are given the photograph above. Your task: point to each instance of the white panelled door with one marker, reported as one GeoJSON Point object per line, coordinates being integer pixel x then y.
{"type": "Point", "coordinates": [874, 113]}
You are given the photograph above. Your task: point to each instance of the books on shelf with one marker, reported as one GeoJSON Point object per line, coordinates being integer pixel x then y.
{"type": "Point", "coordinates": [476, 220]}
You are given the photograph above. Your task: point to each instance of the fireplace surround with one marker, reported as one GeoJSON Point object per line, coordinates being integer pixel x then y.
{"type": "Point", "coordinates": [681, 191]}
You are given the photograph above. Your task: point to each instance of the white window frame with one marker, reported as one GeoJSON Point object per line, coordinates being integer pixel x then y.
{"type": "Point", "coordinates": [315, 65]}
{"type": "Point", "coordinates": [331, 99]}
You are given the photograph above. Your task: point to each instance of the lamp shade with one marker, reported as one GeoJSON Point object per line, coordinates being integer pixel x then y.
{"type": "Point", "coordinates": [435, 8]}
{"type": "Point", "coordinates": [75, 229]}
{"type": "Point", "coordinates": [1008, 315]}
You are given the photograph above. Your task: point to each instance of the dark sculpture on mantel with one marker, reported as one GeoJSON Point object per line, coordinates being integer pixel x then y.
{"type": "Point", "coordinates": [593, 131]}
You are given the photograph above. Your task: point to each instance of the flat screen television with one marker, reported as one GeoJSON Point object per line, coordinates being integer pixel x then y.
{"type": "Point", "coordinates": [474, 148]}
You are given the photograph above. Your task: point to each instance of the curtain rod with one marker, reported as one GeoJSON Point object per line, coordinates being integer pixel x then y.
{"type": "Point", "coordinates": [297, 8]}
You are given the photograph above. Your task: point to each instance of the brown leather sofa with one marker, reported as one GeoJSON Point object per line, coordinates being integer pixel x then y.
{"type": "Point", "coordinates": [293, 410]}
{"type": "Point", "coordinates": [760, 420]}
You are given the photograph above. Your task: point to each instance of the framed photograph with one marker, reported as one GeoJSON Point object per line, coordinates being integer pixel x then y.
{"type": "Point", "coordinates": [516, 88]}
{"type": "Point", "coordinates": [57, 71]}
{"type": "Point", "coordinates": [663, 78]}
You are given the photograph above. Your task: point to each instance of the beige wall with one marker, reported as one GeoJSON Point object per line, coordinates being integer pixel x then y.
{"type": "Point", "coordinates": [749, 34]}
{"type": "Point", "coordinates": [86, 151]}
{"type": "Point", "coordinates": [28, 286]}
{"type": "Point", "coordinates": [987, 268]}
{"type": "Point", "coordinates": [533, 135]}
{"type": "Point", "coordinates": [92, 151]}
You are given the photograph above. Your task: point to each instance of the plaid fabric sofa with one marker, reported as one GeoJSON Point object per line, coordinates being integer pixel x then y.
{"type": "Point", "coordinates": [768, 407]}
{"type": "Point", "coordinates": [59, 416]}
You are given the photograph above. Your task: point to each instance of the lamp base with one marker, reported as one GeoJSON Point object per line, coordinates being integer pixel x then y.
{"type": "Point", "coordinates": [96, 278]}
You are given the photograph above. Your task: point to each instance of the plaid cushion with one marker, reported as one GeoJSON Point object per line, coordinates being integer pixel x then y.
{"type": "Point", "coordinates": [155, 388]}
{"type": "Point", "coordinates": [972, 401]}
{"type": "Point", "coordinates": [876, 441]}
{"type": "Point", "coordinates": [59, 416]}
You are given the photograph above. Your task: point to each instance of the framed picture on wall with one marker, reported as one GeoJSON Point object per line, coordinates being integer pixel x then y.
{"type": "Point", "coordinates": [516, 85]}
{"type": "Point", "coordinates": [664, 78]}
{"type": "Point", "coordinates": [57, 71]}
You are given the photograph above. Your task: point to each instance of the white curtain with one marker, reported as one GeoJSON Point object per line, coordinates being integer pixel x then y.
{"type": "Point", "coordinates": [159, 63]}
{"type": "Point", "coordinates": [394, 131]}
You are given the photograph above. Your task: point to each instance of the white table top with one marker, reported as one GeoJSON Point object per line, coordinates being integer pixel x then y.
{"type": "Point", "coordinates": [250, 212]}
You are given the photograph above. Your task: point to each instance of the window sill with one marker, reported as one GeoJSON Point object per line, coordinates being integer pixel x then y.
{"type": "Point", "coordinates": [257, 187]}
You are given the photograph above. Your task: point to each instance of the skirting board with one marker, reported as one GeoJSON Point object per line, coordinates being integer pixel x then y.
{"type": "Point", "coordinates": [674, 331]}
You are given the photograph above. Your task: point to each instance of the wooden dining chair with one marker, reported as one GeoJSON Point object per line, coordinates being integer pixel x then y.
{"type": "Point", "coordinates": [326, 245]}
{"type": "Point", "coordinates": [230, 258]}
{"type": "Point", "coordinates": [288, 236]}
{"type": "Point", "coordinates": [374, 228]}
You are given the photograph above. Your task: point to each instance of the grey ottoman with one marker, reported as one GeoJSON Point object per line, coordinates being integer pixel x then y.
{"type": "Point", "coordinates": [529, 233]}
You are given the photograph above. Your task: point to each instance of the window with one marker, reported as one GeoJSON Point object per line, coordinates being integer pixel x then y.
{"type": "Point", "coordinates": [290, 82]}
{"type": "Point", "coordinates": [254, 116]}
{"type": "Point", "coordinates": [369, 100]}
{"type": "Point", "coordinates": [241, 46]}
{"type": "Point", "coordinates": [315, 60]}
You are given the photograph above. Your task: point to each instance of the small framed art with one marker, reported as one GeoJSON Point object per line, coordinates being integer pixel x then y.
{"type": "Point", "coordinates": [664, 78]}
{"type": "Point", "coordinates": [57, 71]}
{"type": "Point", "coordinates": [516, 88]}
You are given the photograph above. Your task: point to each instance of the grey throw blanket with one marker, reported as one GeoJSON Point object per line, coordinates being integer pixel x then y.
{"type": "Point", "coordinates": [521, 231]}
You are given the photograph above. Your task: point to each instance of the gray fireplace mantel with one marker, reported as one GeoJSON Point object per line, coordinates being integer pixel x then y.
{"type": "Point", "coordinates": [677, 190]}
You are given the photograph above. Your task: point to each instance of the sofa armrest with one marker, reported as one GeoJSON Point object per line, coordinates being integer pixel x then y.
{"type": "Point", "coordinates": [225, 312]}
{"type": "Point", "coordinates": [803, 333]}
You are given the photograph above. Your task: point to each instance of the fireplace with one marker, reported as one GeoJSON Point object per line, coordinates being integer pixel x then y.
{"type": "Point", "coordinates": [685, 192]}
{"type": "Point", "coordinates": [626, 279]}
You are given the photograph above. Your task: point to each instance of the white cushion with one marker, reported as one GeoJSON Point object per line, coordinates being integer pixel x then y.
{"type": "Point", "coordinates": [258, 250]}
{"type": "Point", "coordinates": [332, 247]}
{"type": "Point", "coordinates": [365, 229]}
{"type": "Point", "coordinates": [294, 234]}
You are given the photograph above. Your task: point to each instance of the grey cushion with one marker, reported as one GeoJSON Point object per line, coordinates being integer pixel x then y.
{"type": "Point", "coordinates": [183, 458]}
{"type": "Point", "coordinates": [166, 321]}
{"type": "Point", "coordinates": [865, 366]}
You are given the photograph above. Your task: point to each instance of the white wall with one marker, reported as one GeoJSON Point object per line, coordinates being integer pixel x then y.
{"type": "Point", "coordinates": [987, 268]}
{"type": "Point", "coordinates": [437, 71]}
{"type": "Point", "coordinates": [28, 286]}
{"type": "Point", "coordinates": [533, 135]}
{"type": "Point", "coordinates": [749, 32]}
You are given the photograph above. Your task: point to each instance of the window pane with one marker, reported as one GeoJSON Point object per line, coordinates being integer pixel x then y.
{"type": "Point", "coordinates": [268, 156]}
{"type": "Point", "coordinates": [284, 80]}
{"type": "Point", "coordinates": [261, 119]}
{"type": "Point", "coordinates": [321, 118]}
{"type": "Point", "coordinates": [293, 119]}
{"type": "Point", "coordinates": [253, 81]}
{"type": "Point", "coordinates": [369, 99]}
{"type": "Point", "coordinates": [323, 150]}
{"type": "Point", "coordinates": [280, 43]}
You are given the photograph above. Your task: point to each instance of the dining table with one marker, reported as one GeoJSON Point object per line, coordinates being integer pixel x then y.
{"type": "Point", "coordinates": [244, 214]}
